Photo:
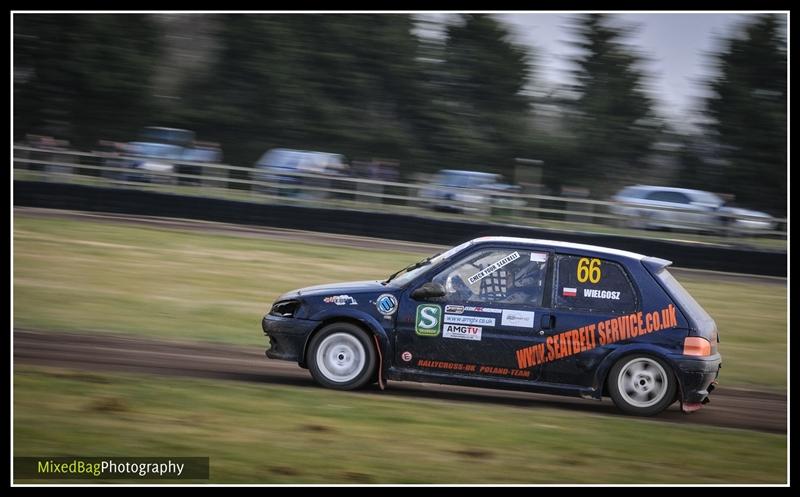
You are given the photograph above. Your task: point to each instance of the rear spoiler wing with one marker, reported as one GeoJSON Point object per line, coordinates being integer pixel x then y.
{"type": "Point", "coordinates": [655, 264]}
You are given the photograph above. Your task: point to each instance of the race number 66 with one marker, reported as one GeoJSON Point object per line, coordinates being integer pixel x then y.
{"type": "Point", "coordinates": [588, 270]}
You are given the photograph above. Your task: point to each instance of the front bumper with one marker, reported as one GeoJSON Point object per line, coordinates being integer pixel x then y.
{"type": "Point", "coordinates": [287, 336]}
{"type": "Point", "coordinates": [698, 377]}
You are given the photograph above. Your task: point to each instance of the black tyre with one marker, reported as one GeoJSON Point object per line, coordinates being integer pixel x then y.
{"type": "Point", "coordinates": [642, 385]}
{"type": "Point", "coordinates": [341, 356]}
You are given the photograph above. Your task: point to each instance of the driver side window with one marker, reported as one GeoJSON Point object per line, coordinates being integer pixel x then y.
{"type": "Point", "coordinates": [496, 276]}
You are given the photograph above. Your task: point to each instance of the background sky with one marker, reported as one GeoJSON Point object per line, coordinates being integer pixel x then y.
{"type": "Point", "coordinates": [676, 47]}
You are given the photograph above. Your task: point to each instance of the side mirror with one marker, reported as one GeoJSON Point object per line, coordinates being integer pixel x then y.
{"type": "Point", "coordinates": [428, 290]}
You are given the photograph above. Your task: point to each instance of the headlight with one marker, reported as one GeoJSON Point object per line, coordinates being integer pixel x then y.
{"type": "Point", "coordinates": [285, 308]}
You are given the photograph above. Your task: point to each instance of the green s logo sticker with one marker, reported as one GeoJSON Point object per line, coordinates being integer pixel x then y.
{"type": "Point", "coordinates": [429, 319]}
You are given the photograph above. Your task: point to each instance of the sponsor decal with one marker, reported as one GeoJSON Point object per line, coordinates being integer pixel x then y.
{"type": "Point", "coordinates": [475, 320]}
{"type": "Point", "coordinates": [538, 256]}
{"type": "Point", "coordinates": [464, 332]}
{"type": "Point", "coordinates": [386, 304]}
{"type": "Point", "coordinates": [600, 294]}
{"type": "Point", "coordinates": [587, 337]}
{"type": "Point", "coordinates": [455, 309]}
{"type": "Point", "coordinates": [473, 368]}
{"type": "Point", "coordinates": [493, 267]}
{"type": "Point", "coordinates": [456, 366]}
{"type": "Point", "coordinates": [504, 371]}
{"type": "Point", "coordinates": [483, 309]}
{"type": "Point", "coordinates": [340, 300]}
{"type": "Point", "coordinates": [406, 356]}
{"type": "Point", "coordinates": [521, 319]}
{"type": "Point", "coordinates": [569, 292]}
{"type": "Point", "coordinates": [429, 319]}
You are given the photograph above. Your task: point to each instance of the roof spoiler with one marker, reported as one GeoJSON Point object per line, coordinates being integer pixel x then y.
{"type": "Point", "coordinates": [655, 264]}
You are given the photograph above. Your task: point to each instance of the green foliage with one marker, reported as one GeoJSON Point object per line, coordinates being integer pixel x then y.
{"type": "Point", "coordinates": [83, 76]}
{"type": "Point", "coordinates": [344, 83]}
{"type": "Point", "coordinates": [486, 75]}
{"type": "Point", "coordinates": [611, 116]}
{"type": "Point", "coordinates": [365, 86]}
{"type": "Point", "coordinates": [372, 86]}
{"type": "Point", "coordinates": [748, 112]}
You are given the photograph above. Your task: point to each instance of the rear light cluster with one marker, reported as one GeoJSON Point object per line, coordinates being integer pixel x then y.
{"type": "Point", "coordinates": [285, 308]}
{"type": "Point", "coordinates": [696, 346]}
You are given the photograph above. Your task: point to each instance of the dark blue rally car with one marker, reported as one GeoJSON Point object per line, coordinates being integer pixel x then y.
{"type": "Point", "coordinates": [511, 313]}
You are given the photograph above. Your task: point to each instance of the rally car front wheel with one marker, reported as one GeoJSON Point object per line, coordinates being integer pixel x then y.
{"type": "Point", "coordinates": [642, 385]}
{"type": "Point", "coordinates": [341, 356]}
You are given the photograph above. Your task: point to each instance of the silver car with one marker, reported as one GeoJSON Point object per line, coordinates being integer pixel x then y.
{"type": "Point", "coordinates": [290, 170]}
{"type": "Point", "coordinates": [453, 190]}
{"type": "Point", "coordinates": [660, 207]}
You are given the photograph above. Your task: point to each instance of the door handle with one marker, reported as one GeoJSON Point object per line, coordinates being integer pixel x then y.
{"type": "Point", "coordinates": [548, 322]}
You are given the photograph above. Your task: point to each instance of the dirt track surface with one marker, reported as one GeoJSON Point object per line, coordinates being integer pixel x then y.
{"type": "Point", "coordinates": [732, 408]}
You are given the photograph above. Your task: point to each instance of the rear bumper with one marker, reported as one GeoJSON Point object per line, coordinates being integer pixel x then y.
{"type": "Point", "coordinates": [697, 377]}
{"type": "Point", "coordinates": [287, 336]}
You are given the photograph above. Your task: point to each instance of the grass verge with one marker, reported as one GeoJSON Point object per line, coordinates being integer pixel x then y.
{"type": "Point", "coordinates": [276, 434]}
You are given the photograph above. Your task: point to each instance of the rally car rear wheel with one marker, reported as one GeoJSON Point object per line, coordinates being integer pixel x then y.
{"type": "Point", "coordinates": [642, 385]}
{"type": "Point", "coordinates": [341, 356]}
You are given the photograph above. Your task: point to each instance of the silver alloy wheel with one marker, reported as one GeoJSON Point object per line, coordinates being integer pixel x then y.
{"type": "Point", "coordinates": [341, 357]}
{"type": "Point", "coordinates": [642, 382]}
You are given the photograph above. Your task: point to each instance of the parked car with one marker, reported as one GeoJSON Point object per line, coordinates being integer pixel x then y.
{"type": "Point", "coordinates": [459, 191]}
{"type": "Point", "coordinates": [658, 207]}
{"type": "Point", "coordinates": [151, 162]}
{"type": "Point", "coordinates": [740, 220]}
{"type": "Point", "coordinates": [284, 169]}
{"type": "Point", "coordinates": [512, 313]}
{"type": "Point", "coordinates": [161, 152]}
{"type": "Point", "coordinates": [191, 158]}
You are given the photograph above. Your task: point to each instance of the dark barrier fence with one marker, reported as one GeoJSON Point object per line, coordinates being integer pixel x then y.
{"type": "Point", "coordinates": [373, 224]}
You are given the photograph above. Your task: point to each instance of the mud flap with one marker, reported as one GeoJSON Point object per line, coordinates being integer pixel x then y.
{"type": "Point", "coordinates": [690, 407]}
{"type": "Point", "coordinates": [381, 383]}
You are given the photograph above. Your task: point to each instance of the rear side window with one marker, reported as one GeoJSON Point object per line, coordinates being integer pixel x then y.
{"type": "Point", "coordinates": [687, 303]}
{"type": "Point", "coordinates": [593, 285]}
{"type": "Point", "coordinates": [631, 192]}
{"type": "Point", "coordinates": [674, 197]}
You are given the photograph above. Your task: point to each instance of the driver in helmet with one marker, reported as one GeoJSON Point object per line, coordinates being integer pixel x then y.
{"type": "Point", "coordinates": [525, 282]}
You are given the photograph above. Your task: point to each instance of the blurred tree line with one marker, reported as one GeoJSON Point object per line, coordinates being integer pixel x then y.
{"type": "Point", "coordinates": [456, 93]}
{"type": "Point", "coordinates": [82, 77]}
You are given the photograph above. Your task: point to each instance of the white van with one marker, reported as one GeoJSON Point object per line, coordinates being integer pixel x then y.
{"type": "Point", "coordinates": [287, 167]}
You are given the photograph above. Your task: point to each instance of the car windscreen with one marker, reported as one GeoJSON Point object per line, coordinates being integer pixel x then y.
{"type": "Point", "coordinates": [482, 180]}
{"type": "Point", "coordinates": [466, 179]}
{"type": "Point", "coordinates": [171, 136]}
{"type": "Point", "coordinates": [201, 155]}
{"type": "Point", "coordinates": [155, 150]}
{"type": "Point", "coordinates": [453, 179]}
{"type": "Point", "coordinates": [410, 275]}
{"type": "Point", "coordinates": [632, 192]}
{"type": "Point", "coordinates": [685, 301]}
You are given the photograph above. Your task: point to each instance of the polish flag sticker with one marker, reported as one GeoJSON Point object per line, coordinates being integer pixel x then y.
{"type": "Point", "coordinates": [570, 292]}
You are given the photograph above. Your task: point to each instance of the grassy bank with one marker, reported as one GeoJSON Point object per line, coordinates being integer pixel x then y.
{"type": "Point", "coordinates": [89, 275]}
